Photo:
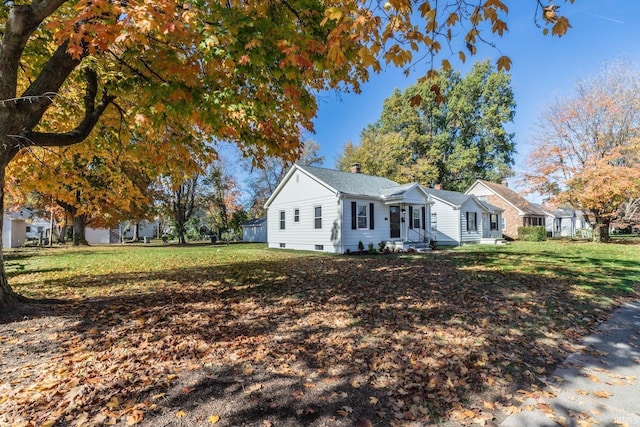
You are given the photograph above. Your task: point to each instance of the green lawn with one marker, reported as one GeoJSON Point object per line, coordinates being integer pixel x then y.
{"type": "Point", "coordinates": [448, 336]}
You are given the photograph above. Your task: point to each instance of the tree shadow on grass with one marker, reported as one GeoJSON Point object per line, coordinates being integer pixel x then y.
{"type": "Point", "coordinates": [425, 336]}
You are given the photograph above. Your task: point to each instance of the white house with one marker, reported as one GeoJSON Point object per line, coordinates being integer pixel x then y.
{"type": "Point", "coordinates": [13, 230]}
{"type": "Point", "coordinates": [333, 211]}
{"type": "Point", "coordinates": [255, 230]}
{"type": "Point", "coordinates": [516, 210]}
{"type": "Point", "coordinates": [458, 218]}
{"type": "Point", "coordinates": [567, 222]}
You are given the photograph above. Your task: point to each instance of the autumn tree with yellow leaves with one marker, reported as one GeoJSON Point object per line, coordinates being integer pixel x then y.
{"type": "Point", "coordinates": [244, 72]}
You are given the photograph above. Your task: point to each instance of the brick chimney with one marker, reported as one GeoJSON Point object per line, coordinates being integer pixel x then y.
{"type": "Point", "coordinates": [437, 187]}
{"type": "Point", "coordinates": [355, 168]}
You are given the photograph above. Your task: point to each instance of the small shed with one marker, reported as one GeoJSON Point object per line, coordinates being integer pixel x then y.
{"type": "Point", "coordinates": [255, 230]}
{"type": "Point", "coordinates": [14, 230]}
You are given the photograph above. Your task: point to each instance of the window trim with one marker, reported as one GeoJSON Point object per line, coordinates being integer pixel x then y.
{"type": "Point", "coordinates": [434, 223]}
{"type": "Point", "coordinates": [365, 208]}
{"type": "Point", "coordinates": [416, 218]}
{"type": "Point", "coordinates": [283, 222]}
{"type": "Point", "coordinates": [317, 220]}
{"type": "Point", "coordinates": [296, 214]}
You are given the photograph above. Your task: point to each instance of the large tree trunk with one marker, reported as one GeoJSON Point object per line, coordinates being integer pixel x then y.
{"type": "Point", "coordinates": [601, 229]}
{"type": "Point", "coordinates": [79, 229]}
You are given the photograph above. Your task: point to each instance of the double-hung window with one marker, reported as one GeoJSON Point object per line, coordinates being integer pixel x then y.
{"type": "Point", "coordinates": [296, 215]}
{"type": "Point", "coordinates": [363, 218]}
{"type": "Point", "coordinates": [493, 220]}
{"type": "Point", "coordinates": [434, 221]}
{"type": "Point", "coordinates": [472, 221]}
{"type": "Point", "coordinates": [282, 220]}
{"type": "Point", "coordinates": [317, 217]}
{"type": "Point", "coordinates": [417, 218]}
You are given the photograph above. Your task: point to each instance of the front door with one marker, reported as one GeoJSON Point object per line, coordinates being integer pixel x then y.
{"type": "Point", "coordinates": [394, 222]}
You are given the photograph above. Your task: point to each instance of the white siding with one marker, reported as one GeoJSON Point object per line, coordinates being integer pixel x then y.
{"type": "Point", "coordinates": [380, 230]}
{"type": "Point", "coordinates": [448, 224]}
{"type": "Point", "coordinates": [13, 232]}
{"type": "Point", "coordinates": [304, 193]}
{"type": "Point", "coordinates": [479, 190]}
{"type": "Point", "coordinates": [471, 236]}
{"type": "Point", "coordinates": [97, 236]}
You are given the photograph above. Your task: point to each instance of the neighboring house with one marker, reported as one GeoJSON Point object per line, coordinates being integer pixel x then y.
{"type": "Point", "coordinates": [37, 228]}
{"type": "Point", "coordinates": [517, 211]}
{"type": "Point", "coordinates": [13, 230]}
{"type": "Point", "coordinates": [567, 222]}
{"type": "Point", "coordinates": [333, 211]}
{"type": "Point", "coordinates": [458, 218]}
{"type": "Point", "coordinates": [255, 230]}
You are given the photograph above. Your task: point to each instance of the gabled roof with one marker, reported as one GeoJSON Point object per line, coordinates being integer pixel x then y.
{"type": "Point", "coordinates": [512, 198]}
{"type": "Point", "coordinates": [359, 184]}
{"type": "Point", "coordinates": [454, 198]}
{"type": "Point", "coordinates": [457, 199]}
{"type": "Point", "coordinates": [351, 184]}
{"type": "Point", "coordinates": [256, 222]}
{"type": "Point", "coordinates": [558, 213]}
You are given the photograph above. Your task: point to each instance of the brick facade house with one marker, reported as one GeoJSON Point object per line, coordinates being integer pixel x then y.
{"type": "Point", "coordinates": [517, 211]}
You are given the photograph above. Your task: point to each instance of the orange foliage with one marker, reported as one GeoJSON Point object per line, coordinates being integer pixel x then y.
{"type": "Point", "coordinates": [588, 147]}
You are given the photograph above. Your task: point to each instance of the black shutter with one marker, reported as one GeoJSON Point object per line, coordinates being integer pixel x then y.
{"type": "Point", "coordinates": [424, 213]}
{"type": "Point", "coordinates": [371, 216]}
{"type": "Point", "coordinates": [354, 223]}
{"type": "Point", "coordinates": [410, 216]}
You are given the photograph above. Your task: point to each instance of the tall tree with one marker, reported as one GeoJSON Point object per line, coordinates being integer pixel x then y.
{"type": "Point", "coordinates": [451, 136]}
{"type": "Point", "coordinates": [178, 196]}
{"type": "Point", "coordinates": [587, 147]}
{"type": "Point", "coordinates": [246, 72]}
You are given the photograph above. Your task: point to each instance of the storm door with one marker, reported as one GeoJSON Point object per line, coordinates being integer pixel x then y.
{"type": "Point", "coordinates": [394, 222]}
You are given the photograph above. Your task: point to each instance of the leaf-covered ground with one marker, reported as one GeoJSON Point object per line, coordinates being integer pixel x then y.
{"type": "Point", "coordinates": [241, 335]}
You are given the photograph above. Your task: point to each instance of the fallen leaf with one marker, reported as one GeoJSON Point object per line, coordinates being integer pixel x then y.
{"type": "Point", "coordinates": [544, 407]}
{"type": "Point", "coordinates": [602, 394]}
{"type": "Point", "coordinates": [181, 414]}
{"type": "Point", "coordinates": [135, 417]}
{"type": "Point", "coordinates": [363, 422]}
{"type": "Point", "coordinates": [212, 419]}
{"type": "Point", "coordinates": [373, 400]}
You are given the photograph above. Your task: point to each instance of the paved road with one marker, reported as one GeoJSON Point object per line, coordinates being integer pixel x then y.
{"type": "Point", "coordinates": [598, 386]}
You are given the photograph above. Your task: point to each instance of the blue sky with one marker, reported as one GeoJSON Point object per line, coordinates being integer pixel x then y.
{"type": "Point", "coordinates": [543, 68]}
